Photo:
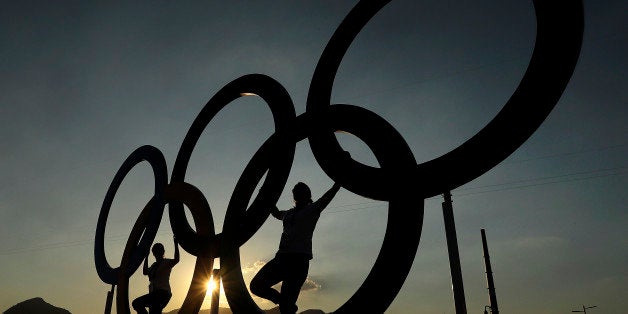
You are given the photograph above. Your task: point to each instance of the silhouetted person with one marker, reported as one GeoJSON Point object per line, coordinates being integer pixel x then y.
{"type": "Point", "coordinates": [158, 273]}
{"type": "Point", "coordinates": [292, 261]}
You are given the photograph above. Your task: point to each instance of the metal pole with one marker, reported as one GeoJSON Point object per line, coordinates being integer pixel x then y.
{"type": "Point", "coordinates": [489, 276]}
{"type": "Point", "coordinates": [454, 258]}
{"type": "Point", "coordinates": [216, 292]}
{"type": "Point", "coordinates": [109, 300]}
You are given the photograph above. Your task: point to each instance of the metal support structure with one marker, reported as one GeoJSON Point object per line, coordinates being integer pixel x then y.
{"type": "Point", "coordinates": [454, 258]}
{"type": "Point", "coordinates": [109, 301]}
{"type": "Point", "coordinates": [216, 292]}
{"type": "Point", "coordinates": [489, 276]}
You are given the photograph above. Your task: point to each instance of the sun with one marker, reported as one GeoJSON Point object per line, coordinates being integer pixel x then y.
{"type": "Point", "coordinates": [211, 286]}
{"type": "Point", "coordinates": [214, 287]}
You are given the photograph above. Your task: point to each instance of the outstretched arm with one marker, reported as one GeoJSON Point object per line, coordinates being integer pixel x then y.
{"type": "Point", "coordinates": [276, 212]}
{"type": "Point", "coordinates": [176, 250]}
{"type": "Point", "coordinates": [328, 196]}
{"type": "Point", "coordinates": [145, 268]}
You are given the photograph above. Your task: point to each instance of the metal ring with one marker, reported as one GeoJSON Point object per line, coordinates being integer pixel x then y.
{"type": "Point", "coordinates": [196, 202]}
{"type": "Point", "coordinates": [156, 160]}
{"type": "Point", "coordinates": [555, 55]}
{"type": "Point", "coordinates": [399, 180]}
{"type": "Point", "coordinates": [282, 109]}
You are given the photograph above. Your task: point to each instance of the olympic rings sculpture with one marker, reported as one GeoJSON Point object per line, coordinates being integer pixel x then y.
{"type": "Point", "coordinates": [398, 180]}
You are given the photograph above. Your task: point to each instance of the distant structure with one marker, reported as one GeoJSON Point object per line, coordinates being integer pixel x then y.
{"type": "Point", "coordinates": [454, 257]}
{"type": "Point", "coordinates": [584, 309]}
{"type": "Point", "coordinates": [489, 276]}
{"type": "Point", "coordinates": [399, 180]}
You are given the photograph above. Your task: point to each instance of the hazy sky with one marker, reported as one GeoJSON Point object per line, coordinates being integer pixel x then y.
{"type": "Point", "coordinates": [83, 84]}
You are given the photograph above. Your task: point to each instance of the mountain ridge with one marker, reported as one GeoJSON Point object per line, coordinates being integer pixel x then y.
{"type": "Point", "coordinates": [39, 306]}
{"type": "Point", "coordinates": [35, 305]}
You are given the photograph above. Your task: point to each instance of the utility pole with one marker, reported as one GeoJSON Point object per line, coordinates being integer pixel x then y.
{"type": "Point", "coordinates": [454, 258]}
{"type": "Point", "coordinates": [584, 309]}
{"type": "Point", "coordinates": [489, 276]}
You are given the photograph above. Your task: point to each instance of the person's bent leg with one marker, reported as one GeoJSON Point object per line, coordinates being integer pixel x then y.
{"type": "Point", "coordinates": [297, 268]}
{"type": "Point", "coordinates": [140, 304]}
{"type": "Point", "coordinates": [162, 297]}
{"type": "Point", "coordinates": [263, 282]}
{"type": "Point", "coordinates": [159, 300]}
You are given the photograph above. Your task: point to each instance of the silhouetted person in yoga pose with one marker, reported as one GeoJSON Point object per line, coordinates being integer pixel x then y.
{"type": "Point", "coordinates": [158, 273]}
{"type": "Point", "coordinates": [292, 261]}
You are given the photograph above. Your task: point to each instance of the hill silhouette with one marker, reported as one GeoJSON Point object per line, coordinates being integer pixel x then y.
{"type": "Point", "coordinates": [275, 310]}
{"type": "Point", "coordinates": [39, 306]}
{"type": "Point", "coordinates": [35, 305]}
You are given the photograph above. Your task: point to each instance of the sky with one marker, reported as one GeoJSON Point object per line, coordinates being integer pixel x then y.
{"type": "Point", "coordinates": [83, 84]}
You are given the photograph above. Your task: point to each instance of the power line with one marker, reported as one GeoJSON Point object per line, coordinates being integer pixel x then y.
{"type": "Point", "coordinates": [543, 178]}
{"type": "Point", "coordinates": [377, 204]}
{"type": "Point", "coordinates": [545, 183]}
{"type": "Point", "coordinates": [60, 245]}
{"type": "Point", "coordinates": [373, 204]}
{"type": "Point", "coordinates": [566, 154]}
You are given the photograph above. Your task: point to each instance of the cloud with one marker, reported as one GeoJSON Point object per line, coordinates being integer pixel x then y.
{"type": "Point", "coordinates": [309, 285]}
{"type": "Point", "coordinates": [252, 269]}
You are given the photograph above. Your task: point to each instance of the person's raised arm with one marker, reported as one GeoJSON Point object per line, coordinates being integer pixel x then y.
{"type": "Point", "coordinates": [145, 267]}
{"type": "Point", "coordinates": [176, 250]}
{"type": "Point", "coordinates": [276, 212]}
{"type": "Point", "coordinates": [328, 196]}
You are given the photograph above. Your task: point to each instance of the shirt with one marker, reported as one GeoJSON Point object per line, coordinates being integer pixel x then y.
{"type": "Point", "coordinates": [298, 228]}
{"type": "Point", "coordinates": [159, 275]}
